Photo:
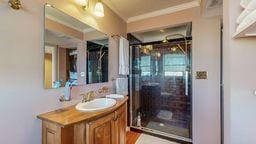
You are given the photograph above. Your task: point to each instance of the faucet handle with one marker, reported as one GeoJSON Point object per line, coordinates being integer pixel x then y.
{"type": "Point", "coordinates": [103, 90]}
{"type": "Point", "coordinates": [87, 96]}
{"type": "Point", "coordinates": [83, 96]}
{"type": "Point", "coordinates": [91, 93]}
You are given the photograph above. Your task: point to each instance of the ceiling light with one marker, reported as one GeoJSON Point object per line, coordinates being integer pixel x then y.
{"type": "Point", "coordinates": [99, 9]}
{"type": "Point", "coordinates": [174, 49]}
{"type": "Point", "coordinates": [48, 5]}
{"type": "Point", "coordinates": [83, 3]}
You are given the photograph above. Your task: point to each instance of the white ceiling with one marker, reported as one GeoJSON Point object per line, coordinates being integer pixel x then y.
{"type": "Point", "coordinates": [128, 9]}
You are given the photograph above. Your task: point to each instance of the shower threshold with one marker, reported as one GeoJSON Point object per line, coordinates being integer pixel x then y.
{"type": "Point", "coordinates": [177, 138]}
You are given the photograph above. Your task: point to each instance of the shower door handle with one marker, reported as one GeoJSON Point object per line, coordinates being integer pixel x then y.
{"type": "Point", "coordinates": [186, 83]}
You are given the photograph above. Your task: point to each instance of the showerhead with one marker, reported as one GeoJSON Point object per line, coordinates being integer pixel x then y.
{"type": "Point", "coordinates": [168, 37]}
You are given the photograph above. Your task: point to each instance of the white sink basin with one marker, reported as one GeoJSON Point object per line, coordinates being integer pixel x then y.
{"type": "Point", "coordinates": [96, 104]}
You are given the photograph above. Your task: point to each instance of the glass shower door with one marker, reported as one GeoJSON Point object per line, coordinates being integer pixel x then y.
{"type": "Point", "coordinates": [160, 88]}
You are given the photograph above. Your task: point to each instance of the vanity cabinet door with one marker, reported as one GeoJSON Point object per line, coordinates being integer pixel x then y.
{"type": "Point", "coordinates": [54, 134]}
{"type": "Point", "coordinates": [101, 131]}
{"type": "Point", "coordinates": [121, 124]}
{"type": "Point", "coordinates": [51, 134]}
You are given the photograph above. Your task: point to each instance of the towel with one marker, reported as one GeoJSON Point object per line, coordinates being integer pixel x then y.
{"type": "Point", "coordinates": [247, 21]}
{"type": "Point", "coordinates": [242, 16]}
{"type": "Point", "coordinates": [122, 86]}
{"type": "Point", "coordinates": [249, 9]}
{"type": "Point", "coordinates": [244, 3]}
{"type": "Point", "coordinates": [123, 56]}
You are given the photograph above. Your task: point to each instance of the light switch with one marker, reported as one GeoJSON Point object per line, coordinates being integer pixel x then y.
{"type": "Point", "coordinates": [201, 75]}
{"type": "Point", "coordinates": [82, 74]}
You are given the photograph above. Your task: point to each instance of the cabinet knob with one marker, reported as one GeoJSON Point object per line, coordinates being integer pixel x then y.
{"type": "Point", "coordinates": [115, 119]}
{"type": "Point", "coordinates": [115, 116]}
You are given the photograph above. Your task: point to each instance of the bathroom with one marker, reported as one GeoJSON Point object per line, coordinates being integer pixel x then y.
{"type": "Point", "coordinates": [215, 56]}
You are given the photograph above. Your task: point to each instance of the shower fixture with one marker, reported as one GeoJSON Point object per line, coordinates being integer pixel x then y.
{"type": "Point", "coordinates": [99, 68]}
{"type": "Point", "coordinates": [174, 49]}
{"type": "Point", "coordinates": [167, 38]}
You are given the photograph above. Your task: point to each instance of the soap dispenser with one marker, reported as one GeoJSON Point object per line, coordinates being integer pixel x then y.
{"type": "Point", "coordinates": [67, 94]}
{"type": "Point", "coordinates": [139, 120]}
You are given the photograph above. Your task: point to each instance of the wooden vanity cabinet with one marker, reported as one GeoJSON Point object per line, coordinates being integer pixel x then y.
{"type": "Point", "coordinates": [53, 134]}
{"type": "Point", "coordinates": [120, 123]}
{"type": "Point", "coordinates": [110, 129]}
{"type": "Point", "coordinates": [101, 131]}
{"type": "Point", "coordinates": [107, 128]}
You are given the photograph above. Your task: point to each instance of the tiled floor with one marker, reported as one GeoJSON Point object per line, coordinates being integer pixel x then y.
{"type": "Point", "coordinates": [138, 138]}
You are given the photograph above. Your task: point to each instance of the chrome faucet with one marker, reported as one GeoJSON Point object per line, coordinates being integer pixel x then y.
{"type": "Point", "coordinates": [89, 96]}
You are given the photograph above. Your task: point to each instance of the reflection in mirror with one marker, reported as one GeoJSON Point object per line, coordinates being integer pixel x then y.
{"type": "Point", "coordinates": [60, 60]}
{"type": "Point", "coordinates": [66, 39]}
{"type": "Point", "coordinates": [97, 60]}
{"type": "Point", "coordinates": [63, 39]}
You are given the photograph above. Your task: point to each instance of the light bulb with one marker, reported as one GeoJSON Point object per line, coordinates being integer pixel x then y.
{"type": "Point", "coordinates": [99, 9]}
{"type": "Point", "coordinates": [82, 2]}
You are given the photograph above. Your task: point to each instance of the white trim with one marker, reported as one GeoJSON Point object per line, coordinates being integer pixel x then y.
{"type": "Point", "coordinates": [88, 30]}
{"type": "Point", "coordinates": [168, 10]}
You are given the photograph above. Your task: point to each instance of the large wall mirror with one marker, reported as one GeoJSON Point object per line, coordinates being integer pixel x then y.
{"type": "Point", "coordinates": [74, 53]}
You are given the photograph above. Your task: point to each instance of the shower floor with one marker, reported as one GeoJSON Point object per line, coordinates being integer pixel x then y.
{"type": "Point", "coordinates": [164, 122]}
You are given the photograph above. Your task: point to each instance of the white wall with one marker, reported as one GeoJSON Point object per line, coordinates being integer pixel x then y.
{"type": "Point", "coordinates": [22, 91]}
{"type": "Point", "coordinates": [206, 93]}
{"type": "Point", "coordinates": [239, 81]}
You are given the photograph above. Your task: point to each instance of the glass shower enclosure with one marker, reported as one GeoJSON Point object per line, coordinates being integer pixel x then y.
{"type": "Point", "coordinates": [161, 88]}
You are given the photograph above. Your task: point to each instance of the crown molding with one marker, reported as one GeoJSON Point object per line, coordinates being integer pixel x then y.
{"type": "Point", "coordinates": [168, 10]}
{"type": "Point", "coordinates": [87, 30]}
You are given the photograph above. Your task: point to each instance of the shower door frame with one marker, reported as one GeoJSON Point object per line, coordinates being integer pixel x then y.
{"type": "Point", "coordinates": [152, 131]}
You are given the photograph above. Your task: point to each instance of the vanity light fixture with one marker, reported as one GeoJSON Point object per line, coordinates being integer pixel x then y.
{"type": "Point", "coordinates": [48, 5]}
{"type": "Point", "coordinates": [83, 3]}
{"type": "Point", "coordinates": [99, 9]}
{"type": "Point", "coordinates": [15, 4]}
